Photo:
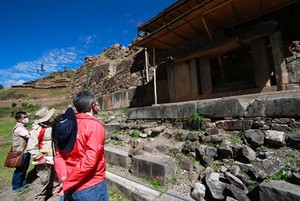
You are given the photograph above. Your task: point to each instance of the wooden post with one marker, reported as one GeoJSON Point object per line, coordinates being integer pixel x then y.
{"type": "Point", "coordinates": [147, 67]}
{"type": "Point", "coordinates": [154, 79]}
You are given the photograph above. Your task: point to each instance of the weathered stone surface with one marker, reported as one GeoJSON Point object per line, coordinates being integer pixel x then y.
{"type": "Point", "coordinates": [207, 160]}
{"type": "Point", "coordinates": [213, 138]}
{"type": "Point", "coordinates": [225, 150]}
{"type": "Point", "coordinates": [281, 127]}
{"type": "Point", "coordinates": [186, 164]}
{"type": "Point", "coordinates": [215, 108]}
{"type": "Point", "coordinates": [254, 137]}
{"type": "Point", "coordinates": [198, 192]}
{"type": "Point", "coordinates": [236, 181]}
{"type": "Point", "coordinates": [200, 151]}
{"type": "Point", "coordinates": [237, 193]}
{"type": "Point", "coordinates": [261, 169]}
{"type": "Point", "coordinates": [248, 153]}
{"type": "Point", "coordinates": [189, 147]}
{"type": "Point", "coordinates": [215, 186]}
{"type": "Point", "coordinates": [177, 148]}
{"type": "Point", "coordinates": [214, 131]}
{"type": "Point", "coordinates": [277, 190]}
{"type": "Point", "coordinates": [293, 140]}
{"type": "Point", "coordinates": [234, 124]}
{"type": "Point", "coordinates": [283, 120]}
{"type": "Point", "coordinates": [283, 105]}
{"type": "Point", "coordinates": [235, 170]}
{"type": "Point", "coordinates": [192, 136]}
{"type": "Point", "coordinates": [117, 157]}
{"type": "Point", "coordinates": [296, 178]}
{"type": "Point", "coordinates": [150, 167]}
{"type": "Point", "coordinates": [181, 134]}
{"type": "Point", "coordinates": [212, 152]}
{"type": "Point", "coordinates": [274, 138]}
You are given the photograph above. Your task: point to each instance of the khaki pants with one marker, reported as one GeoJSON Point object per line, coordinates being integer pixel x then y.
{"type": "Point", "coordinates": [45, 181]}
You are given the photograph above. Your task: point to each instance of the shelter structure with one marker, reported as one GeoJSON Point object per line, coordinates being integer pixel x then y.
{"type": "Point", "coordinates": [202, 49]}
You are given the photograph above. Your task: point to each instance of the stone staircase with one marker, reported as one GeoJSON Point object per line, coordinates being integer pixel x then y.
{"type": "Point", "coordinates": [151, 168]}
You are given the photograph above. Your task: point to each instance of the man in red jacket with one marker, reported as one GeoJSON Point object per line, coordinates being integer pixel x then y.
{"type": "Point", "coordinates": [80, 162]}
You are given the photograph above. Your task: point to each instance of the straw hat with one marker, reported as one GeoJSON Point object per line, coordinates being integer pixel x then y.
{"type": "Point", "coordinates": [43, 115]}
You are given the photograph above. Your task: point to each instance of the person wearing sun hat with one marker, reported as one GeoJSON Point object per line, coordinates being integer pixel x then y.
{"type": "Point", "coordinates": [40, 147]}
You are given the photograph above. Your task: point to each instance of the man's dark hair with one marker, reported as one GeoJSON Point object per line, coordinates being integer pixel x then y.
{"type": "Point", "coordinates": [19, 114]}
{"type": "Point", "coordinates": [83, 101]}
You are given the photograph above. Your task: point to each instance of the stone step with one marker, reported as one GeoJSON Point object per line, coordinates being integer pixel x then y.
{"type": "Point", "coordinates": [137, 191]}
{"type": "Point", "coordinates": [124, 179]}
{"type": "Point", "coordinates": [160, 168]}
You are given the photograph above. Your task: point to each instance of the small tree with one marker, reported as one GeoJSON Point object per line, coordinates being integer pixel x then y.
{"type": "Point", "coordinates": [14, 104]}
{"type": "Point", "coordinates": [1, 86]}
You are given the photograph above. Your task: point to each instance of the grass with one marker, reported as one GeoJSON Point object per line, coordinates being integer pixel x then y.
{"type": "Point", "coordinates": [116, 196]}
{"type": "Point", "coordinates": [280, 175]}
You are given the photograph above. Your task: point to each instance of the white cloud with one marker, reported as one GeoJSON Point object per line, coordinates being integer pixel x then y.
{"type": "Point", "coordinates": [53, 61]}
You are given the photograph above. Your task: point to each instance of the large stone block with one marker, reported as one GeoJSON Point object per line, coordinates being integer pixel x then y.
{"type": "Point", "coordinates": [221, 108]}
{"type": "Point", "coordinates": [277, 190]}
{"type": "Point", "coordinates": [117, 157]}
{"type": "Point", "coordinates": [153, 168]}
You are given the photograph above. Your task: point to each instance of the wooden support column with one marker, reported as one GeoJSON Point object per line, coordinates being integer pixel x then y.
{"type": "Point", "coordinates": [171, 81]}
{"type": "Point", "coordinates": [260, 63]}
{"type": "Point", "coordinates": [205, 75]}
{"type": "Point", "coordinates": [194, 78]}
{"type": "Point", "coordinates": [279, 63]}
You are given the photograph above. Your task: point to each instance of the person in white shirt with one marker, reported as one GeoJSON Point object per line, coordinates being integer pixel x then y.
{"type": "Point", "coordinates": [20, 136]}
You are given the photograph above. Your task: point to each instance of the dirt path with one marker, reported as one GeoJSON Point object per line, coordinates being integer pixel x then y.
{"type": "Point", "coordinates": [6, 194]}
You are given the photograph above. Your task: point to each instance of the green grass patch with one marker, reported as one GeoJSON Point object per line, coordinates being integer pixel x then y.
{"type": "Point", "coordinates": [136, 133]}
{"type": "Point", "coordinates": [280, 175]}
{"type": "Point", "coordinates": [116, 132]}
{"type": "Point", "coordinates": [116, 196]}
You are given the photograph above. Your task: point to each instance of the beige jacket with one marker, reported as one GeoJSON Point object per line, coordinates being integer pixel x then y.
{"type": "Point", "coordinates": [19, 142]}
{"type": "Point", "coordinates": [43, 148]}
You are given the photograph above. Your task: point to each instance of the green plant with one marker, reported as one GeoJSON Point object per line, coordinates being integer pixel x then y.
{"type": "Point", "coordinates": [156, 184]}
{"type": "Point", "coordinates": [116, 196]}
{"type": "Point", "coordinates": [14, 104]}
{"type": "Point", "coordinates": [136, 133]}
{"type": "Point", "coordinates": [215, 167]}
{"type": "Point", "coordinates": [124, 111]}
{"type": "Point", "coordinates": [24, 104]}
{"type": "Point", "coordinates": [175, 179]}
{"type": "Point", "coordinates": [115, 142]}
{"type": "Point", "coordinates": [116, 132]}
{"type": "Point", "coordinates": [214, 143]}
{"type": "Point", "coordinates": [197, 144]}
{"type": "Point", "coordinates": [280, 175]}
{"type": "Point", "coordinates": [195, 119]}
{"type": "Point", "coordinates": [252, 182]}
{"type": "Point", "coordinates": [229, 162]}
{"type": "Point", "coordinates": [178, 119]}
{"type": "Point", "coordinates": [234, 139]}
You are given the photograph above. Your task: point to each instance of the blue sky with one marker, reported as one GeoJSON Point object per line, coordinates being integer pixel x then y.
{"type": "Point", "coordinates": [60, 33]}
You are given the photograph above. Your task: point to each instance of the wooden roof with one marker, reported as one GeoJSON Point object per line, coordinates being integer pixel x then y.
{"type": "Point", "coordinates": [187, 20]}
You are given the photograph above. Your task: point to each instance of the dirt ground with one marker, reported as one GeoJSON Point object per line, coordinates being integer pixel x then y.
{"type": "Point", "coordinates": [6, 194]}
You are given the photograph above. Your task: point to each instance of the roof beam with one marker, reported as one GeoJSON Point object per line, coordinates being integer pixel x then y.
{"type": "Point", "coordinates": [207, 29]}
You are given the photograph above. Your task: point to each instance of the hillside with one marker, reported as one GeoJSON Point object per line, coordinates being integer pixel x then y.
{"type": "Point", "coordinates": [51, 89]}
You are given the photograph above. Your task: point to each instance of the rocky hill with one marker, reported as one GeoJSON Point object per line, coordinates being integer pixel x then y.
{"type": "Point", "coordinates": [115, 70]}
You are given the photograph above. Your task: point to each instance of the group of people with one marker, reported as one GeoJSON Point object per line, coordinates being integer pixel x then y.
{"type": "Point", "coordinates": [67, 151]}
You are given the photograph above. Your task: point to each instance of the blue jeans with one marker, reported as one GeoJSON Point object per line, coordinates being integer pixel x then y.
{"type": "Point", "coordinates": [19, 176]}
{"type": "Point", "coordinates": [97, 192]}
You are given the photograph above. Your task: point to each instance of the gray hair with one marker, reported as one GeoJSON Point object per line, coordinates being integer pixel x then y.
{"type": "Point", "coordinates": [83, 101]}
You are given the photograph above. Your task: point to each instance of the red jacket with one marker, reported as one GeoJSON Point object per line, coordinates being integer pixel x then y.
{"type": "Point", "coordinates": [85, 165]}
